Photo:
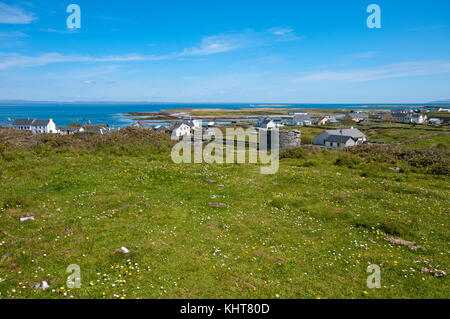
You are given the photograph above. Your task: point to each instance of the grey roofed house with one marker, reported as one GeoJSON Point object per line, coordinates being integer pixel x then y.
{"type": "Point", "coordinates": [142, 124]}
{"type": "Point", "coordinates": [356, 134]}
{"type": "Point", "coordinates": [264, 123]}
{"type": "Point", "coordinates": [69, 129]}
{"type": "Point", "coordinates": [301, 117]}
{"type": "Point", "coordinates": [338, 138]}
{"type": "Point", "coordinates": [277, 120]}
{"type": "Point", "coordinates": [160, 128]}
{"type": "Point", "coordinates": [398, 113]}
{"type": "Point", "coordinates": [96, 129]}
{"type": "Point", "coordinates": [357, 115]}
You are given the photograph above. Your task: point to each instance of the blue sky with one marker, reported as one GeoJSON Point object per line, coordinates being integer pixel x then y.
{"type": "Point", "coordinates": [226, 51]}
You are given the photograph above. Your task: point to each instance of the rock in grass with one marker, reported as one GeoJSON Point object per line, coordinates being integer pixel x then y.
{"type": "Point", "coordinates": [43, 285]}
{"type": "Point", "coordinates": [124, 250]}
{"type": "Point", "coordinates": [439, 273]}
{"type": "Point", "coordinates": [217, 205]}
{"type": "Point", "coordinates": [23, 219]}
{"type": "Point", "coordinates": [210, 181]}
{"type": "Point", "coordinates": [400, 241]}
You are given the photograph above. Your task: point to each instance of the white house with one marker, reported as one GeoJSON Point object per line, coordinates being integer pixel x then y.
{"type": "Point", "coordinates": [339, 141]}
{"type": "Point", "coordinates": [69, 130]}
{"type": "Point", "coordinates": [357, 116]}
{"type": "Point", "coordinates": [267, 123]}
{"type": "Point", "coordinates": [142, 124]}
{"type": "Point", "coordinates": [194, 124]}
{"type": "Point", "coordinates": [415, 118]}
{"type": "Point", "coordinates": [357, 136]}
{"type": "Point", "coordinates": [210, 131]}
{"type": "Point", "coordinates": [35, 126]}
{"type": "Point", "coordinates": [180, 129]}
{"type": "Point", "coordinates": [301, 119]}
{"type": "Point", "coordinates": [435, 121]}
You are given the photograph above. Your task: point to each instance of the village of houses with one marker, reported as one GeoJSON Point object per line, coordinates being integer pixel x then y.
{"type": "Point", "coordinates": [339, 131]}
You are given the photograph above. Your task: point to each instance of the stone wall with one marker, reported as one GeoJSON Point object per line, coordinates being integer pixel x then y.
{"type": "Point", "coordinates": [287, 139]}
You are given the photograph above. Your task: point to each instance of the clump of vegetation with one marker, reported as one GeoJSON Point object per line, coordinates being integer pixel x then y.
{"type": "Point", "coordinates": [348, 160]}
{"type": "Point", "coordinates": [302, 152]}
{"type": "Point", "coordinates": [433, 160]}
{"type": "Point", "coordinates": [126, 141]}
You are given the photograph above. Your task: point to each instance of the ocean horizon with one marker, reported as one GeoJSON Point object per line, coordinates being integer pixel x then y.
{"type": "Point", "coordinates": [113, 114]}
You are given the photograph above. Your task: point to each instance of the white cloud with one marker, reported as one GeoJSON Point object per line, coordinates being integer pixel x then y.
{"type": "Point", "coordinates": [406, 69]}
{"type": "Point", "coordinates": [208, 45]}
{"type": "Point", "coordinates": [13, 34]}
{"type": "Point", "coordinates": [89, 82]}
{"type": "Point", "coordinates": [284, 34]}
{"type": "Point", "coordinates": [14, 15]}
{"type": "Point", "coordinates": [66, 31]}
{"type": "Point", "coordinates": [217, 44]}
{"type": "Point", "coordinates": [9, 60]}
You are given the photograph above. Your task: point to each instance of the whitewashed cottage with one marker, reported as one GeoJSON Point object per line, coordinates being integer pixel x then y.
{"type": "Point", "coordinates": [35, 126]}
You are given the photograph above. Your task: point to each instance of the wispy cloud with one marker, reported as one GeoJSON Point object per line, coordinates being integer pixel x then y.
{"type": "Point", "coordinates": [66, 31]}
{"type": "Point", "coordinates": [406, 69]}
{"type": "Point", "coordinates": [89, 82]}
{"type": "Point", "coordinates": [284, 34]}
{"type": "Point", "coordinates": [364, 55]}
{"type": "Point", "coordinates": [13, 34]}
{"type": "Point", "coordinates": [14, 15]}
{"type": "Point", "coordinates": [209, 45]}
{"type": "Point", "coordinates": [9, 60]}
{"type": "Point", "coordinates": [217, 44]}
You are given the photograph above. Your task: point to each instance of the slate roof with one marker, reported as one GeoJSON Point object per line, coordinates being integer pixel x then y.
{"type": "Point", "coordinates": [358, 115]}
{"type": "Point", "coordinates": [177, 125]}
{"type": "Point", "coordinates": [338, 138]}
{"type": "Point", "coordinates": [302, 117]}
{"type": "Point", "coordinates": [354, 133]}
{"type": "Point", "coordinates": [68, 128]}
{"type": "Point", "coordinates": [30, 122]}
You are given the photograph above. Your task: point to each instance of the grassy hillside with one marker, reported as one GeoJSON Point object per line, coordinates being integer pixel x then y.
{"type": "Point", "coordinates": [309, 231]}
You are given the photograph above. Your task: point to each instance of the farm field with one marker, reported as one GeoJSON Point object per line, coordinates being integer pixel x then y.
{"type": "Point", "coordinates": [309, 231]}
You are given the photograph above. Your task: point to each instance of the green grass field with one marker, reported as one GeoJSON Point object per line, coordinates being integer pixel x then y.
{"type": "Point", "coordinates": [309, 231]}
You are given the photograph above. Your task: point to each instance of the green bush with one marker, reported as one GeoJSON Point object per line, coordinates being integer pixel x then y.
{"type": "Point", "coordinates": [348, 160]}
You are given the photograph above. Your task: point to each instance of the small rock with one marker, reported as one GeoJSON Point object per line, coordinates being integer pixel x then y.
{"type": "Point", "coordinates": [124, 250]}
{"type": "Point", "coordinates": [217, 205]}
{"type": "Point", "coordinates": [416, 248]}
{"type": "Point", "coordinates": [395, 169]}
{"type": "Point", "coordinates": [439, 273]}
{"type": "Point", "coordinates": [23, 219]}
{"type": "Point", "coordinates": [43, 285]}
{"type": "Point", "coordinates": [210, 181]}
{"type": "Point", "coordinates": [400, 241]}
